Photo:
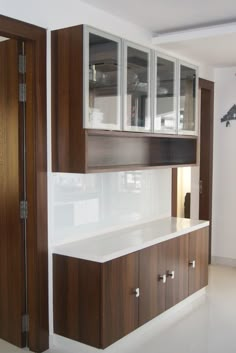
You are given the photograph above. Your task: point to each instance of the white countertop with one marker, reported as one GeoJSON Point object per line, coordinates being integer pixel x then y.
{"type": "Point", "coordinates": [105, 247]}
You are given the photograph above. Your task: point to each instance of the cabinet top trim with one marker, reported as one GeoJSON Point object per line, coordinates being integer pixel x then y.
{"type": "Point", "coordinates": [106, 247]}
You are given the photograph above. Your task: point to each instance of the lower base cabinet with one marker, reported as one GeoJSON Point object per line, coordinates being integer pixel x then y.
{"type": "Point", "coordinates": [99, 303]}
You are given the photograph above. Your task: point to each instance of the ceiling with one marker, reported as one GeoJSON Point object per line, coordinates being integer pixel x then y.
{"type": "Point", "coordinates": [167, 15]}
{"type": "Point", "coordinates": [218, 51]}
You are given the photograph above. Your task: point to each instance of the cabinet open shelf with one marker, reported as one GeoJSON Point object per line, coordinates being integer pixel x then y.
{"type": "Point", "coordinates": [132, 151]}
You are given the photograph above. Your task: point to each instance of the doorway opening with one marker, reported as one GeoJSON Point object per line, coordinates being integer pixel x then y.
{"type": "Point", "coordinates": [192, 186]}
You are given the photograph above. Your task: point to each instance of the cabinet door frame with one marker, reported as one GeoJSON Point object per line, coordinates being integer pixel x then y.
{"type": "Point", "coordinates": [157, 55]}
{"type": "Point", "coordinates": [147, 50]}
{"type": "Point", "coordinates": [86, 31]}
{"type": "Point", "coordinates": [194, 67]}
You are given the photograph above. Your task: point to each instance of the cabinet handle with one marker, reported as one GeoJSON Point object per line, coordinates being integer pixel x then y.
{"type": "Point", "coordinates": [171, 274]}
{"type": "Point", "coordinates": [192, 264]}
{"type": "Point", "coordinates": [137, 292]}
{"type": "Point", "coordinates": [162, 278]}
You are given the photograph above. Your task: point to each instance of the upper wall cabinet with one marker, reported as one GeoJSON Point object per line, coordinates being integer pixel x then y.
{"type": "Point", "coordinates": [137, 115]}
{"type": "Point", "coordinates": [102, 65]}
{"type": "Point", "coordinates": [188, 88]}
{"type": "Point", "coordinates": [165, 95]}
{"type": "Point", "coordinates": [112, 99]}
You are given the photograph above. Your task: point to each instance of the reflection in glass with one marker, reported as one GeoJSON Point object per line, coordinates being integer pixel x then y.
{"type": "Point", "coordinates": [104, 70]}
{"type": "Point", "coordinates": [165, 113]}
{"type": "Point", "coordinates": [137, 90]}
{"type": "Point", "coordinates": [187, 98]}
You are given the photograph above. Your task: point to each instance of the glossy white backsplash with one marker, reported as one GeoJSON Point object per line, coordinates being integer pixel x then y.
{"type": "Point", "coordinates": [84, 205]}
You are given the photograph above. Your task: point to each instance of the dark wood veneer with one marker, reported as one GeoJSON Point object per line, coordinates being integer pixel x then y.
{"type": "Point", "coordinates": [95, 303]}
{"type": "Point", "coordinates": [12, 292]}
{"type": "Point", "coordinates": [37, 242]}
{"type": "Point", "coordinates": [152, 290]}
{"type": "Point", "coordinates": [177, 261]}
{"type": "Point", "coordinates": [198, 251]}
{"type": "Point", "coordinates": [77, 299]}
{"type": "Point", "coordinates": [119, 303]}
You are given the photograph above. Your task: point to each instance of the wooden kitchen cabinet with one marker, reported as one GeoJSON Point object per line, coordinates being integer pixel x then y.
{"type": "Point", "coordinates": [177, 270]}
{"type": "Point", "coordinates": [94, 303]}
{"type": "Point", "coordinates": [163, 277]}
{"type": "Point", "coordinates": [76, 299]}
{"type": "Point", "coordinates": [102, 106]}
{"type": "Point", "coordinates": [99, 303]}
{"type": "Point", "coordinates": [152, 299]}
{"type": "Point", "coordinates": [119, 301]}
{"type": "Point", "coordinates": [198, 259]}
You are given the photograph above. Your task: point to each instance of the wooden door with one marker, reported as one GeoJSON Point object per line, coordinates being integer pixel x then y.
{"type": "Point", "coordinates": [119, 301]}
{"type": "Point", "coordinates": [12, 290]}
{"type": "Point", "coordinates": [206, 151]}
{"type": "Point", "coordinates": [152, 265]}
{"type": "Point", "coordinates": [198, 259]}
{"type": "Point", "coordinates": [177, 270]}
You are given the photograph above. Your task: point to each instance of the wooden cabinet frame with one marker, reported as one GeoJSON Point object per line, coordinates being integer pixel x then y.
{"type": "Point", "coordinates": [37, 240]}
{"type": "Point", "coordinates": [99, 303]}
{"type": "Point", "coordinates": [79, 150]}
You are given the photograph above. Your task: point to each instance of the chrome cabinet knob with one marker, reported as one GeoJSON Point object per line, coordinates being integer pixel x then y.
{"type": "Point", "coordinates": [192, 264]}
{"type": "Point", "coordinates": [171, 274]}
{"type": "Point", "coordinates": [137, 292]}
{"type": "Point", "coordinates": [162, 278]}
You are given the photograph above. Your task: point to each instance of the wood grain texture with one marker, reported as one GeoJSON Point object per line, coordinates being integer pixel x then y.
{"type": "Point", "coordinates": [206, 152]}
{"type": "Point", "coordinates": [152, 291]}
{"type": "Point", "coordinates": [177, 261]}
{"type": "Point", "coordinates": [37, 242]}
{"type": "Point", "coordinates": [68, 135]}
{"type": "Point", "coordinates": [96, 304]}
{"type": "Point", "coordinates": [12, 293]}
{"type": "Point", "coordinates": [119, 303]}
{"type": "Point", "coordinates": [77, 298]}
{"type": "Point", "coordinates": [198, 251]}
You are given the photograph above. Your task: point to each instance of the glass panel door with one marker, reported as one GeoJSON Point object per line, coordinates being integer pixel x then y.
{"type": "Point", "coordinates": [103, 82]}
{"type": "Point", "coordinates": [165, 109]}
{"type": "Point", "coordinates": [187, 99]}
{"type": "Point", "coordinates": [137, 88]}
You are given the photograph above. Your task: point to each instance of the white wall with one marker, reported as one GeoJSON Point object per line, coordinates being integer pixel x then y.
{"type": "Point", "coordinates": [83, 205]}
{"type": "Point", "coordinates": [224, 172]}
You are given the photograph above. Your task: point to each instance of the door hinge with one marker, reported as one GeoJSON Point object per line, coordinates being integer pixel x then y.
{"type": "Point", "coordinates": [22, 92]}
{"type": "Point", "coordinates": [25, 323]}
{"type": "Point", "coordinates": [23, 209]}
{"type": "Point", "coordinates": [22, 64]}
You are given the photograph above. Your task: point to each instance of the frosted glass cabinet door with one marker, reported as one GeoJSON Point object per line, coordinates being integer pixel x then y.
{"type": "Point", "coordinates": [102, 80]}
{"type": "Point", "coordinates": [187, 99]}
{"type": "Point", "coordinates": [136, 88]}
{"type": "Point", "coordinates": [165, 100]}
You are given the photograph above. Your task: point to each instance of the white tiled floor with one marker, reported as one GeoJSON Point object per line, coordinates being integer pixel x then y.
{"type": "Point", "coordinates": [207, 326]}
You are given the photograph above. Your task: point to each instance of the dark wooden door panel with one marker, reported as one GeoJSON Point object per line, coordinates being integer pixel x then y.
{"type": "Point", "coordinates": [12, 293]}
{"type": "Point", "coordinates": [177, 270]}
{"type": "Point", "coordinates": [76, 299]}
{"type": "Point", "coordinates": [119, 302]}
{"type": "Point", "coordinates": [206, 156]}
{"type": "Point", "coordinates": [152, 290]}
{"type": "Point", "coordinates": [198, 252]}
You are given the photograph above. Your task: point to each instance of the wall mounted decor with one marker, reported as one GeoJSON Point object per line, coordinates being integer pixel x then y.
{"type": "Point", "coordinates": [231, 115]}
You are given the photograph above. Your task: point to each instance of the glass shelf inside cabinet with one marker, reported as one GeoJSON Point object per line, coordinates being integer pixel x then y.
{"type": "Point", "coordinates": [104, 83]}
{"type": "Point", "coordinates": [137, 97]}
{"type": "Point", "coordinates": [187, 110]}
{"type": "Point", "coordinates": [165, 118]}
